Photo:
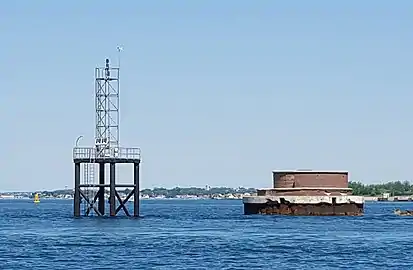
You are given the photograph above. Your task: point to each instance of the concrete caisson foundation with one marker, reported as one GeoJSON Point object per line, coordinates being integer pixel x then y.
{"type": "Point", "coordinates": [310, 193]}
{"type": "Point", "coordinates": [304, 205]}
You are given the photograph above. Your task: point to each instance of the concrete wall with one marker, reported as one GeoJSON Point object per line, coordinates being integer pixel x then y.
{"type": "Point", "coordinates": [310, 179]}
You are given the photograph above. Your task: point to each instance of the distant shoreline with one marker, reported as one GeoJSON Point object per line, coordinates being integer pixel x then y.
{"type": "Point", "coordinates": [366, 198]}
{"type": "Point", "coordinates": [131, 199]}
{"type": "Point", "coordinates": [389, 199]}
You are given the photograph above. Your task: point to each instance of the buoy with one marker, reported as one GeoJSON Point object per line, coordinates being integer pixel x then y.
{"type": "Point", "coordinates": [36, 198]}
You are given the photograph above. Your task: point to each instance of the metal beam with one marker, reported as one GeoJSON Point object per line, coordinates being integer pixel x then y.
{"type": "Point", "coordinates": [112, 202]}
{"type": "Point", "coordinates": [123, 203]}
{"type": "Point", "coordinates": [136, 202]}
{"type": "Point", "coordinates": [76, 200]}
{"type": "Point", "coordinates": [102, 188]}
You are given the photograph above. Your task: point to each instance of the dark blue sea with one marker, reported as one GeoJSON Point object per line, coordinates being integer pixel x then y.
{"type": "Point", "coordinates": [201, 234]}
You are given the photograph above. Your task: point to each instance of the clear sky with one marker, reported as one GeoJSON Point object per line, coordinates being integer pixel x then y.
{"type": "Point", "coordinates": [215, 93]}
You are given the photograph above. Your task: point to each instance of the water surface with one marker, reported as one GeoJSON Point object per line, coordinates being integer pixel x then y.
{"type": "Point", "coordinates": [201, 234]}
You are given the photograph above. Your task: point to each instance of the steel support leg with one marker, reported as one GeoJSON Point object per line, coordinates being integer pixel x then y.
{"type": "Point", "coordinates": [136, 202]}
{"type": "Point", "coordinates": [76, 200]}
{"type": "Point", "coordinates": [112, 194]}
{"type": "Point", "coordinates": [102, 189]}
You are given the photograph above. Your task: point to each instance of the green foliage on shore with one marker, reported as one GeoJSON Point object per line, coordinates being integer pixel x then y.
{"type": "Point", "coordinates": [155, 192]}
{"type": "Point", "coordinates": [171, 193]}
{"type": "Point", "coordinates": [396, 188]}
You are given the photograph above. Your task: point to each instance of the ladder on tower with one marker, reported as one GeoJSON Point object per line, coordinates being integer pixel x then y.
{"type": "Point", "coordinates": [86, 188]}
{"type": "Point", "coordinates": [89, 179]}
{"type": "Point", "coordinates": [90, 173]}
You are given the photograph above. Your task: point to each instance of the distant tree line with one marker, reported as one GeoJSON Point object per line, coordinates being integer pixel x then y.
{"type": "Point", "coordinates": [168, 193]}
{"type": "Point", "coordinates": [194, 191]}
{"type": "Point", "coordinates": [396, 188]}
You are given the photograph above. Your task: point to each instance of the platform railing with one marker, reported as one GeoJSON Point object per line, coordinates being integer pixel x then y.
{"type": "Point", "coordinates": [93, 153]}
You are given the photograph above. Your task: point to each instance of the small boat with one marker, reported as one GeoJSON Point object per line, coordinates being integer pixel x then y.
{"type": "Point", "coordinates": [36, 198]}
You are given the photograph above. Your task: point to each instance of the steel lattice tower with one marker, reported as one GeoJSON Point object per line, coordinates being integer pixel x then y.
{"type": "Point", "coordinates": [106, 150]}
{"type": "Point", "coordinates": [107, 110]}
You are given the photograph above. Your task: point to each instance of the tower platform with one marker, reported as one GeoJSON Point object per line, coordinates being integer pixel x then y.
{"type": "Point", "coordinates": [123, 155]}
{"type": "Point", "coordinates": [89, 156]}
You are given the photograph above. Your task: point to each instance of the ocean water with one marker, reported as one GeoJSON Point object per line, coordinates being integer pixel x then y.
{"type": "Point", "coordinates": [201, 234]}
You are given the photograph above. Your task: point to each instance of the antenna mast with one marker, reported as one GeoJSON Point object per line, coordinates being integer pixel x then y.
{"type": "Point", "coordinates": [107, 110]}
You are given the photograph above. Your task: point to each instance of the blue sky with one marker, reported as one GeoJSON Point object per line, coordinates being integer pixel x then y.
{"type": "Point", "coordinates": [214, 92]}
